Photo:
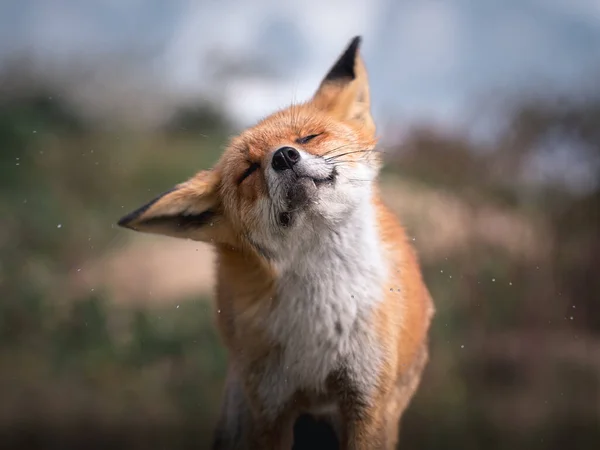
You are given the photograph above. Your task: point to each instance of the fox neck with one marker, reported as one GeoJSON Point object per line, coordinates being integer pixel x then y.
{"type": "Point", "coordinates": [351, 243]}
{"type": "Point", "coordinates": [349, 255]}
{"type": "Point", "coordinates": [317, 307]}
{"type": "Point", "coordinates": [325, 301]}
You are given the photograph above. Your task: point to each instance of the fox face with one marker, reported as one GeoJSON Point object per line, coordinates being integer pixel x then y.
{"type": "Point", "coordinates": [295, 174]}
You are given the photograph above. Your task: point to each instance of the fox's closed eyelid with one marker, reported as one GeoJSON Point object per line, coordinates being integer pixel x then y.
{"type": "Point", "coordinates": [305, 139]}
{"type": "Point", "coordinates": [253, 166]}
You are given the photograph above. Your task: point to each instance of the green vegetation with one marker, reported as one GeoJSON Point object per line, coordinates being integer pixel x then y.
{"type": "Point", "coordinates": [516, 341]}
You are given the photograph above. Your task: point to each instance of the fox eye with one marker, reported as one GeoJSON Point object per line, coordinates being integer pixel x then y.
{"type": "Point", "coordinates": [249, 171]}
{"type": "Point", "coordinates": [305, 139]}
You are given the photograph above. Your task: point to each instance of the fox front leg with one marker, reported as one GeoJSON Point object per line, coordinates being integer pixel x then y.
{"type": "Point", "coordinates": [239, 430]}
{"type": "Point", "coordinates": [364, 415]}
{"type": "Point", "coordinates": [235, 425]}
{"type": "Point", "coordinates": [243, 427]}
{"type": "Point", "coordinates": [277, 435]}
{"type": "Point", "coordinates": [366, 431]}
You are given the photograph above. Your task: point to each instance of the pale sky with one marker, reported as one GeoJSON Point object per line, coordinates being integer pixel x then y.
{"type": "Point", "coordinates": [428, 59]}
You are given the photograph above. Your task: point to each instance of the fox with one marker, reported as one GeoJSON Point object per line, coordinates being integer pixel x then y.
{"type": "Point", "coordinates": [320, 298]}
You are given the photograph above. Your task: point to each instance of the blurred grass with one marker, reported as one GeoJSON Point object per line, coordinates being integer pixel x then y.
{"type": "Point", "coordinates": [67, 367]}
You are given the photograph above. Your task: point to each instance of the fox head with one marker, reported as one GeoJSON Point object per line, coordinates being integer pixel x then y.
{"type": "Point", "coordinates": [300, 172]}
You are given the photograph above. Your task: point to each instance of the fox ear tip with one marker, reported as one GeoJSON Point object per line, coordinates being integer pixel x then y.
{"type": "Point", "coordinates": [345, 65]}
{"type": "Point", "coordinates": [124, 221]}
{"type": "Point", "coordinates": [128, 220]}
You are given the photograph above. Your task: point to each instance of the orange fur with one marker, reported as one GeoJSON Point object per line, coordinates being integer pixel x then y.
{"type": "Point", "coordinates": [218, 207]}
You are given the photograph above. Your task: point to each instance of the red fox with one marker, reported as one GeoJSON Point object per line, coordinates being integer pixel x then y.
{"type": "Point", "coordinates": [321, 302]}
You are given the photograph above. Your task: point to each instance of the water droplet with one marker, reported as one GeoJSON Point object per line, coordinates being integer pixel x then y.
{"type": "Point", "coordinates": [571, 317]}
{"type": "Point", "coordinates": [177, 306]}
{"type": "Point", "coordinates": [510, 283]}
{"type": "Point", "coordinates": [59, 225]}
{"type": "Point", "coordinates": [34, 131]}
{"type": "Point", "coordinates": [219, 311]}
{"type": "Point", "coordinates": [573, 306]}
{"type": "Point", "coordinates": [441, 271]}
{"type": "Point", "coordinates": [78, 270]}
{"type": "Point", "coordinates": [462, 346]}
{"type": "Point", "coordinates": [493, 280]}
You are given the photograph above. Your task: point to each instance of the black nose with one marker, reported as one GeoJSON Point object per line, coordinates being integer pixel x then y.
{"type": "Point", "coordinates": [285, 158]}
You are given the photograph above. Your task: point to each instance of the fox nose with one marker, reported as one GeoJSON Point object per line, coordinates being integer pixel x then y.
{"type": "Point", "coordinates": [285, 158]}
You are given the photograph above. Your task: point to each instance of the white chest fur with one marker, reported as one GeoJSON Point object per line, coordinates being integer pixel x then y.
{"type": "Point", "coordinates": [323, 315]}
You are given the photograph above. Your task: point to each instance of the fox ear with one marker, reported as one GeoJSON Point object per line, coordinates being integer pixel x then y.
{"type": "Point", "coordinates": [190, 210]}
{"type": "Point", "coordinates": [344, 92]}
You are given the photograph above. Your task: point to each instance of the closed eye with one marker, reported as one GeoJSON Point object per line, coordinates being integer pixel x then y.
{"type": "Point", "coordinates": [249, 171]}
{"type": "Point", "coordinates": [305, 139]}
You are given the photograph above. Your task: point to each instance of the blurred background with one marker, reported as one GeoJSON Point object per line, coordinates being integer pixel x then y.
{"type": "Point", "coordinates": [489, 114]}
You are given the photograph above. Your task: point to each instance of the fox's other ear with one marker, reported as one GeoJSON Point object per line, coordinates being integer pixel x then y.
{"type": "Point", "coordinates": [190, 210]}
{"type": "Point", "coordinates": [344, 92]}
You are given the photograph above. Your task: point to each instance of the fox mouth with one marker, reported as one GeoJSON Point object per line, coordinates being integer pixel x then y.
{"type": "Point", "coordinates": [329, 179]}
{"type": "Point", "coordinates": [302, 192]}
{"type": "Point", "coordinates": [305, 187]}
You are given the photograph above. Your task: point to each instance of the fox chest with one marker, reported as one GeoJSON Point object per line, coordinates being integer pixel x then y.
{"type": "Point", "coordinates": [320, 325]}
